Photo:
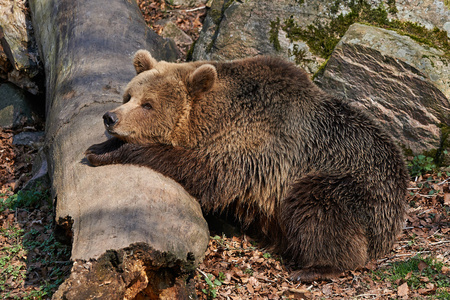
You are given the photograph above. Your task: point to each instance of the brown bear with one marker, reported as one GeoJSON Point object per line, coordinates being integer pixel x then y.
{"type": "Point", "coordinates": [321, 181]}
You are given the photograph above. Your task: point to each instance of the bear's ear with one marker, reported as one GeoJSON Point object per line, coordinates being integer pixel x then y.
{"type": "Point", "coordinates": [143, 61]}
{"type": "Point", "coordinates": [202, 80]}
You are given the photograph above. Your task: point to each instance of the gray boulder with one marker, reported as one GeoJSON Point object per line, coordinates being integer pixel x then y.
{"type": "Point", "coordinates": [19, 59]}
{"type": "Point", "coordinates": [239, 29]}
{"type": "Point", "coordinates": [429, 13]}
{"type": "Point", "coordinates": [17, 107]}
{"type": "Point", "coordinates": [403, 84]}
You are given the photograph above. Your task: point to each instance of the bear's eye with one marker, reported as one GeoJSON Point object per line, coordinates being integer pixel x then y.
{"type": "Point", "coordinates": [126, 98]}
{"type": "Point", "coordinates": [147, 106]}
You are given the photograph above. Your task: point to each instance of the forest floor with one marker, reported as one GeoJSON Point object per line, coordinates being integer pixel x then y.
{"type": "Point", "coordinates": [33, 263]}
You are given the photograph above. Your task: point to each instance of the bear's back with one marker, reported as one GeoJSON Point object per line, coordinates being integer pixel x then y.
{"type": "Point", "coordinates": [273, 106]}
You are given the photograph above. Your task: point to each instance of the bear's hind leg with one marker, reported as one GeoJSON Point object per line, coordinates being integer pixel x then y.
{"type": "Point", "coordinates": [323, 236]}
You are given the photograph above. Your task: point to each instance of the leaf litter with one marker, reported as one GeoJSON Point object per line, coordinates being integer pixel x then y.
{"type": "Point", "coordinates": [245, 271]}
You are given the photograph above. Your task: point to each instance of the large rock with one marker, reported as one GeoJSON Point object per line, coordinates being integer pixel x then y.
{"type": "Point", "coordinates": [17, 107]}
{"type": "Point", "coordinates": [430, 13]}
{"type": "Point", "coordinates": [405, 85]}
{"type": "Point", "coordinates": [134, 232]}
{"type": "Point", "coordinates": [239, 29]}
{"type": "Point", "coordinates": [18, 48]}
{"type": "Point", "coordinates": [412, 106]}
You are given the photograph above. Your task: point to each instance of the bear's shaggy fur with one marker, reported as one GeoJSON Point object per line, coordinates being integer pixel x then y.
{"type": "Point", "coordinates": [323, 183]}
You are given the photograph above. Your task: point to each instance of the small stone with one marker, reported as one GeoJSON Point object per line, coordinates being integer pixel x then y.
{"type": "Point", "coordinates": [172, 31]}
{"type": "Point", "coordinates": [34, 139]}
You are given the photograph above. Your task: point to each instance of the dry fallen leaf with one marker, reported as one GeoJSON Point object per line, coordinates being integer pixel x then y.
{"type": "Point", "coordinates": [447, 199]}
{"type": "Point", "coordinates": [408, 276]}
{"type": "Point", "coordinates": [327, 290]}
{"type": "Point", "coordinates": [422, 265]}
{"type": "Point", "coordinates": [403, 290]}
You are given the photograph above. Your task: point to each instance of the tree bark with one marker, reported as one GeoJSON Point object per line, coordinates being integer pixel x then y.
{"type": "Point", "coordinates": [135, 233]}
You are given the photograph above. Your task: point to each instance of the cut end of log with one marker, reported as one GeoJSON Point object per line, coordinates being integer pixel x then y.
{"type": "Point", "coordinates": [133, 273]}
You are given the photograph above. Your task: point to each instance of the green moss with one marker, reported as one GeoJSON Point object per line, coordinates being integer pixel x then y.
{"type": "Point", "coordinates": [190, 52]}
{"type": "Point", "coordinates": [273, 34]}
{"type": "Point", "coordinates": [299, 54]}
{"type": "Point", "coordinates": [228, 4]}
{"type": "Point", "coordinates": [216, 15]}
{"type": "Point", "coordinates": [431, 61]}
{"type": "Point", "coordinates": [447, 3]}
{"type": "Point", "coordinates": [322, 38]}
{"type": "Point", "coordinates": [335, 7]}
{"type": "Point", "coordinates": [441, 157]}
{"type": "Point", "coordinates": [321, 69]}
{"type": "Point", "coordinates": [435, 38]}
{"type": "Point", "coordinates": [217, 12]}
{"type": "Point", "coordinates": [392, 7]}
{"type": "Point", "coordinates": [218, 9]}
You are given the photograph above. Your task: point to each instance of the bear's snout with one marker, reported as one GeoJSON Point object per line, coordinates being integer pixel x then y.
{"type": "Point", "coordinates": [110, 119]}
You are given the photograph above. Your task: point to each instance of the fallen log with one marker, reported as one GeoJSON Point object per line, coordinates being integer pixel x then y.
{"type": "Point", "coordinates": [135, 234]}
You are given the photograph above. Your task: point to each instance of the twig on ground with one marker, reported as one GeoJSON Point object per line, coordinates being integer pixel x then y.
{"type": "Point", "coordinates": [440, 242]}
{"type": "Point", "coordinates": [425, 211]}
{"type": "Point", "coordinates": [195, 9]}
{"type": "Point", "coordinates": [366, 295]}
{"type": "Point", "coordinates": [441, 183]}
{"type": "Point", "coordinates": [203, 273]}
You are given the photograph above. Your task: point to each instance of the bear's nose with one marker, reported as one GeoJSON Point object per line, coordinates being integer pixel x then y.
{"type": "Point", "coordinates": [110, 119]}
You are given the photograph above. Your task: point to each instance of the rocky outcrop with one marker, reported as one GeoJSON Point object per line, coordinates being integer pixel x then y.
{"type": "Point", "coordinates": [238, 29]}
{"type": "Point", "coordinates": [430, 13]}
{"type": "Point", "coordinates": [406, 86]}
{"type": "Point", "coordinates": [182, 40]}
{"type": "Point", "coordinates": [19, 59]}
{"type": "Point", "coordinates": [17, 107]}
{"type": "Point", "coordinates": [124, 222]}
{"type": "Point", "coordinates": [400, 81]}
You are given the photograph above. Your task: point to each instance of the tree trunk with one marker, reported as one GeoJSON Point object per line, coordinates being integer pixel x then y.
{"type": "Point", "coordinates": [135, 234]}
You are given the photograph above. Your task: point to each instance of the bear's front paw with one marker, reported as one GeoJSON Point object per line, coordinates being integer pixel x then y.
{"type": "Point", "coordinates": [99, 159]}
{"type": "Point", "coordinates": [95, 149]}
{"type": "Point", "coordinates": [104, 153]}
{"type": "Point", "coordinates": [105, 147]}
{"type": "Point", "coordinates": [95, 159]}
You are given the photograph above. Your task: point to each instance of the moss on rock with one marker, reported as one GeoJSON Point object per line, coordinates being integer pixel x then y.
{"type": "Point", "coordinates": [322, 38]}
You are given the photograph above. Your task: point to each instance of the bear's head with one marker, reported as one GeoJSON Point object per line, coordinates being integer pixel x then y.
{"type": "Point", "coordinates": [158, 101]}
